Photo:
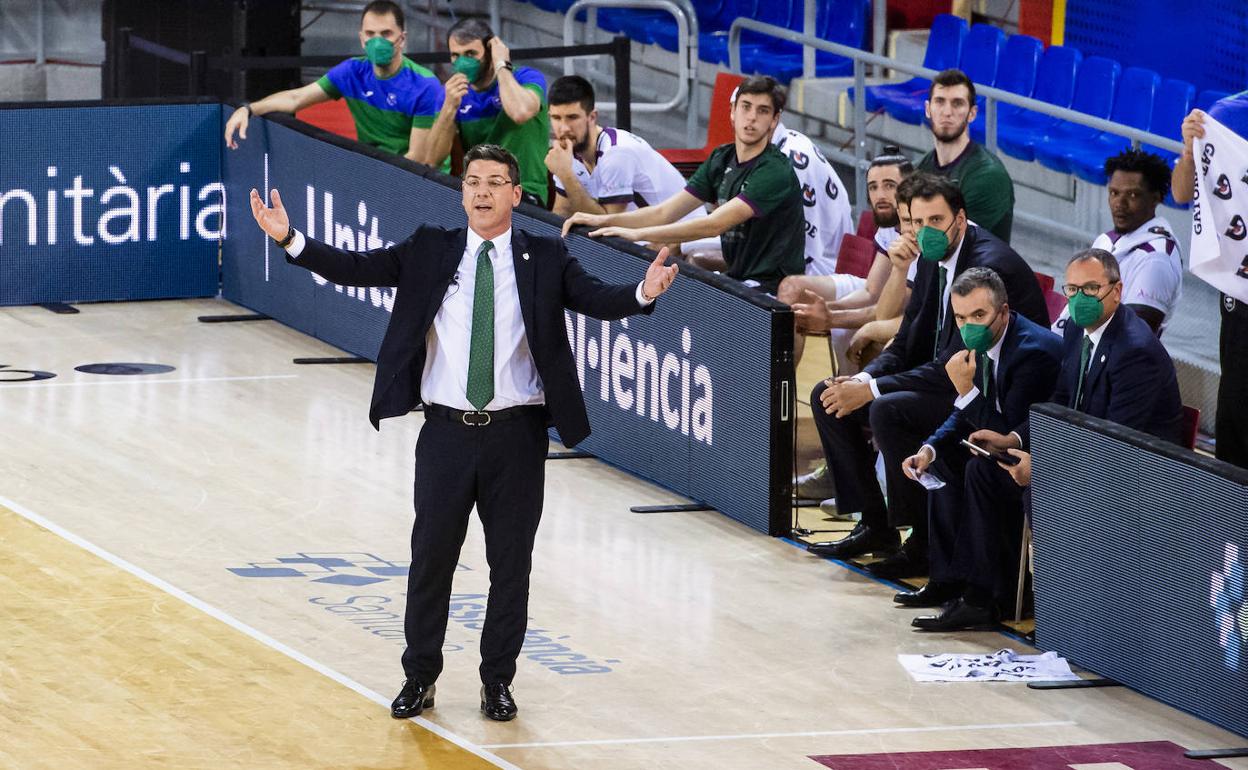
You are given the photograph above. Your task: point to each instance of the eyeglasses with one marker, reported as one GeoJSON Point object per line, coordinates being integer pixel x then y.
{"type": "Point", "coordinates": [495, 183]}
{"type": "Point", "coordinates": [1090, 289]}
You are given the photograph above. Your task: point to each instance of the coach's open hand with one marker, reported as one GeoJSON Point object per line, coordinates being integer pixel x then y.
{"type": "Point", "coordinates": [658, 275]}
{"type": "Point", "coordinates": [272, 221]}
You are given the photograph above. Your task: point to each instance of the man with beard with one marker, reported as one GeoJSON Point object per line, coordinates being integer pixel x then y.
{"type": "Point", "coordinates": [986, 185]}
{"type": "Point", "coordinates": [602, 170]}
{"type": "Point", "coordinates": [758, 213]}
{"type": "Point", "coordinates": [1147, 252]}
{"type": "Point", "coordinates": [488, 101]}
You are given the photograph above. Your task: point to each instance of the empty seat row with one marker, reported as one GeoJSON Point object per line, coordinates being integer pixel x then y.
{"type": "Point", "coordinates": [1100, 87]}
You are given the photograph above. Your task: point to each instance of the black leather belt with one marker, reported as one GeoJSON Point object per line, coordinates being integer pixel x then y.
{"type": "Point", "coordinates": [481, 419]}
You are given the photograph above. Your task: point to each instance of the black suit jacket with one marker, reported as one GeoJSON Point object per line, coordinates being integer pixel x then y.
{"type": "Point", "coordinates": [1131, 379]}
{"type": "Point", "coordinates": [548, 279]}
{"type": "Point", "coordinates": [1031, 356]}
{"type": "Point", "coordinates": [907, 363]}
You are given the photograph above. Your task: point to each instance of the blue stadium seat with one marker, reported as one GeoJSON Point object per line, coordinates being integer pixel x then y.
{"type": "Point", "coordinates": [554, 6]}
{"type": "Point", "coordinates": [980, 54]}
{"type": "Point", "coordinates": [1206, 98]}
{"type": "Point", "coordinates": [713, 47]}
{"type": "Point", "coordinates": [839, 21]}
{"type": "Point", "coordinates": [1017, 74]}
{"type": "Point", "coordinates": [944, 48]}
{"type": "Point", "coordinates": [1076, 146]}
{"type": "Point", "coordinates": [1094, 94]}
{"type": "Point", "coordinates": [1055, 84]}
{"type": "Point", "coordinates": [651, 27]}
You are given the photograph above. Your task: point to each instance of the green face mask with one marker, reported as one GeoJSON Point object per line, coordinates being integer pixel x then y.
{"type": "Point", "coordinates": [1084, 310]}
{"type": "Point", "coordinates": [933, 243]}
{"type": "Point", "coordinates": [379, 51]}
{"type": "Point", "coordinates": [468, 66]}
{"type": "Point", "coordinates": [977, 337]}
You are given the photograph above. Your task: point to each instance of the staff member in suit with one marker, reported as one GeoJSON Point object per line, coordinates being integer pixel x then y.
{"type": "Point", "coordinates": [905, 390]}
{"type": "Point", "coordinates": [1113, 367]}
{"type": "Point", "coordinates": [1009, 364]}
{"type": "Point", "coordinates": [478, 335]}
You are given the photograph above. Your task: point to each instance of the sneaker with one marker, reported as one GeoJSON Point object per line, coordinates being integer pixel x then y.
{"type": "Point", "coordinates": [832, 512]}
{"type": "Point", "coordinates": [816, 485]}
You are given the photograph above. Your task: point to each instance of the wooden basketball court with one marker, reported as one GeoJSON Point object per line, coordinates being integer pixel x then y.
{"type": "Point", "coordinates": [204, 569]}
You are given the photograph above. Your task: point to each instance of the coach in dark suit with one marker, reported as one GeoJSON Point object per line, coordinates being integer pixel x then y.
{"type": "Point", "coordinates": [1113, 367]}
{"type": "Point", "coordinates": [905, 388]}
{"type": "Point", "coordinates": [478, 335]}
{"type": "Point", "coordinates": [1010, 363]}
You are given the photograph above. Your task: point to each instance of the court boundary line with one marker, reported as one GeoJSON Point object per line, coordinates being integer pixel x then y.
{"type": "Point", "coordinates": [760, 736]}
{"type": "Point", "coordinates": [142, 381]}
{"type": "Point", "coordinates": [238, 625]}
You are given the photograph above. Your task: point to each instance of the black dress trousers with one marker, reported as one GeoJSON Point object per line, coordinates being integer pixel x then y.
{"type": "Point", "coordinates": [500, 468]}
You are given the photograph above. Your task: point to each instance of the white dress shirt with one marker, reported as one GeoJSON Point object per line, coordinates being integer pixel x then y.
{"type": "Point", "coordinates": [449, 340]}
{"type": "Point", "coordinates": [949, 263]}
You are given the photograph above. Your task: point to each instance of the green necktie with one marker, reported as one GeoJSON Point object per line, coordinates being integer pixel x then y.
{"type": "Point", "coordinates": [481, 351]}
{"type": "Point", "coordinates": [940, 311]}
{"type": "Point", "coordinates": [1085, 353]}
{"type": "Point", "coordinates": [989, 380]}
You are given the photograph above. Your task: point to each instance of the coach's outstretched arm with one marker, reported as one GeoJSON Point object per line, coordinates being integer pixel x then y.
{"type": "Point", "coordinates": [377, 267]}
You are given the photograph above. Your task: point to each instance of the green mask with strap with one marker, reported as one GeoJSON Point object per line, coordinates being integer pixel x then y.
{"type": "Point", "coordinates": [379, 51]}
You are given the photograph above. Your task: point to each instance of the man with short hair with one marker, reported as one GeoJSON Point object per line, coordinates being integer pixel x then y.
{"type": "Point", "coordinates": [477, 335]}
{"type": "Point", "coordinates": [758, 214]}
{"type": "Point", "coordinates": [392, 100]}
{"type": "Point", "coordinates": [1009, 364]}
{"type": "Point", "coordinates": [905, 392]}
{"type": "Point", "coordinates": [602, 170]}
{"type": "Point", "coordinates": [1141, 241]}
{"type": "Point", "coordinates": [985, 184]}
{"type": "Point", "coordinates": [490, 101]}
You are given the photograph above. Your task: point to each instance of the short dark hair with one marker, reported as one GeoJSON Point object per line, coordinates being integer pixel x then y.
{"type": "Point", "coordinates": [925, 186]}
{"type": "Point", "coordinates": [763, 84]}
{"type": "Point", "coordinates": [385, 6]}
{"type": "Point", "coordinates": [569, 89]}
{"type": "Point", "coordinates": [1151, 166]}
{"type": "Point", "coordinates": [951, 77]}
{"type": "Point", "coordinates": [469, 29]}
{"type": "Point", "coordinates": [1107, 260]}
{"type": "Point", "coordinates": [495, 153]}
{"type": "Point", "coordinates": [974, 278]}
{"type": "Point", "coordinates": [890, 155]}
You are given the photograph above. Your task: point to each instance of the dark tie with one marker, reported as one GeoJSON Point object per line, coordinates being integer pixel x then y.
{"type": "Point", "coordinates": [940, 310]}
{"type": "Point", "coordinates": [481, 349]}
{"type": "Point", "coordinates": [1085, 353]}
{"type": "Point", "coordinates": [989, 386]}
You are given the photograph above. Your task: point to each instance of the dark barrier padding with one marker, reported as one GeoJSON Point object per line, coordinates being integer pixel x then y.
{"type": "Point", "coordinates": [689, 397]}
{"type": "Point", "coordinates": [109, 202]}
{"type": "Point", "coordinates": [1141, 549]}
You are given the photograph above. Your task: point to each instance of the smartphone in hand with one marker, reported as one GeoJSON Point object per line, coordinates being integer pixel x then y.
{"type": "Point", "coordinates": [992, 454]}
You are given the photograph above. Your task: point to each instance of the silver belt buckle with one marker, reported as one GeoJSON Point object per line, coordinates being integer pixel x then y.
{"type": "Point", "coordinates": [476, 419]}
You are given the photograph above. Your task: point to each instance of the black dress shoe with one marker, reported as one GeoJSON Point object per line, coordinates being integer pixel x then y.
{"type": "Point", "coordinates": [931, 595]}
{"type": "Point", "coordinates": [958, 616]}
{"type": "Point", "coordinates": [413, 699]}
{"type": "Point", "coordinates": [497, 703]}
{"type": "Point", "coordinates": [909, 561]}
{"type": "Point", "coordinates": [861, 540]}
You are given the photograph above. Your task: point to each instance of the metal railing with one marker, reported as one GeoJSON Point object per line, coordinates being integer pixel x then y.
{"type": "Point", "coordinates": [199, 63]}
{"type": "Point", "coordinates": [861, 59]}
{"type": "Point", "coordinates": [687, 52]}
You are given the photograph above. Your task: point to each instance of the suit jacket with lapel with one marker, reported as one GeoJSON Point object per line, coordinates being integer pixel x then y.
{"type": "Point", "coordinates": [1030, 358]}
{"type": "Point", "coordinates": [548, 279]}
{"type": "Point", "coordinates": [907, 363]}
{"type": "Point", "coordinates": [1131, 379]}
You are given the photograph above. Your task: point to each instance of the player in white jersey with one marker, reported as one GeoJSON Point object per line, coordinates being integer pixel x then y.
{"type": "Point", "coordinates": [828, 214]}
{"type": "Point", "coordinates": [601, 170]}
{"type": "Point", "coordinates": [841, 314]}
{"type": "Point", "coordinates": [1148, 253]}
